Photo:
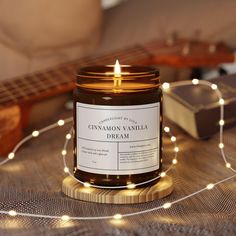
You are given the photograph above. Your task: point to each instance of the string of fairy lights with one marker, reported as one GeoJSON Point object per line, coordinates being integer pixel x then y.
{"type": "Point", "coordinates": [118, 216]}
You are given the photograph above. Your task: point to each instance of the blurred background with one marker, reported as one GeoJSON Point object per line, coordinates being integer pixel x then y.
{"type": "Point", "coordinates": [42, 43]}
{"type": "Point", "coordinates": [35, 35]}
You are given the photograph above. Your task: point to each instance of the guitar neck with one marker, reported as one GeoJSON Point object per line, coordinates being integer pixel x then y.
{"type": "Point", "coordinates": [60, 79]}
{"type": "Point", "coordinates": [178, 53]}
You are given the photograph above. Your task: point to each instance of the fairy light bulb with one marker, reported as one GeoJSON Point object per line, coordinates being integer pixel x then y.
{"type": "Point", "coordinates": [165, 86]}
{"type": "Point", "coordinates": [12, 213]}
{"type": "Point", "coordinates": [176, 149]}
{"type": "Point", "coordinates": [11, 155]}
{"type": "Point", "coordinates": [228, 165]}
{"type": "Point", "coordinates": [195, 81]}
{"type": "Point", "coordinates": [166, 205]}
{"type": "Point", "coordinates": [167, 129]}
{"type": "Point", "coordinates": [66, 169]}
{"type": "Point", "coordinates": [117, 216]}
{"type": "Point", "coordinates": [65, 218]}
{"type": "Point", "coordinates": [221, 122]}
{"type": "Point", "coordinates": [221, 145]}
{"type": "Point", "coordinates": [61, 122]}
{"type": "Point", "coordinates": [35, 133]}
{"type": "Point", "coordinates": [174, 161]}
{"type": "Point", "coordinates": [173, 138]}
{"type": "Point", "coordinates": [131, 186]}
{"type": "Point", "coordinates": [63, 152]}
{"type": "Point", "coordinates": [87, 185]}
{"type": "Point", "coordinates": [68, 136]}
{"type": "Point", "coordinates": [163, 174]}
{"type": "Point", "coordinates": [214, 86]}
{"type": "Point", "coordinates": [222, 101]}
{"type": "Point", "coordinates": [210, 186]}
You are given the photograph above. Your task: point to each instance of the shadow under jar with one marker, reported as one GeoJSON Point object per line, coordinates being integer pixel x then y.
{"type": "Point", "coordinates": [118, 125]}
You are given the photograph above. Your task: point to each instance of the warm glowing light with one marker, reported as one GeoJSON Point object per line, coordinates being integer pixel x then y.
{"type": "Point", "coordinates": [167, 129]}
{"type": "Point", "coordinates": [214, 86]}
{"type": "Point", "coordinates": [61, 122]}
{"type": "Point", "coordinates": [222, 101]}
{"type": "Point", "coordinates": [12, 213]}
{"type": "Point", "coordinates": [131, 186]}
{"type": "Point", "coordinates": [173, 138]}
{"type": "Point", "coordinates": [176, 149]}
{"type": "Point", "coordinates": [174, 161]}
{"type": "Point", "coordinates": [221, 145]}
{"type": "Point", "coordinates": [163, 174]}
{"type": "Point", "coordinates": [165, 86]}
{"type": "Point", "coordinates": [228, 165]}
{"type": "Point", "coordinates": [167, 205]}
{"type": "Point", "coordinates": [195, 81]}
{"type": "Point", "coordinates": [86, 185]}
{"type": "Point", "coordinates": [210, 186]}
{"type": "Point", "coordinates": [65, 217]}
{"type": "Point", "coordinates": [11, 155]}
{"type": "Point", "coordinates": [35, 133]}
{"type": "Point", "coordinates": [117, 69]}
{"type": "Point", "coordinates": [63, 152]}
{"type": "Point", "coordinates": [117, 75]}
{"type": "Point", "coordinates": [221, 122]}
{"type": "Point", "coordinates": [117, 216]}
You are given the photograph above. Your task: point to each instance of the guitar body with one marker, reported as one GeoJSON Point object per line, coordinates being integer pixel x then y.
{"type": "Point", "coordinates": [10, 128]}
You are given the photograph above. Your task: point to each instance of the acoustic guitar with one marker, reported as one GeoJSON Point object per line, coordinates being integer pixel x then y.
{"type": "Point", "coordinates": [17, 95]}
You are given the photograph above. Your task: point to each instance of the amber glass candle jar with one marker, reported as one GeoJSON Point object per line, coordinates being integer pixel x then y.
{"type": "Point", "coordinates": [118, 125]}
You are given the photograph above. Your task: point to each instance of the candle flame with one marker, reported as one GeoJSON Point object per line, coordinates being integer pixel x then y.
{"type": "Point", "coordinates": [117, 69]}
{"type": "Point", "coordinates": [117, 76]}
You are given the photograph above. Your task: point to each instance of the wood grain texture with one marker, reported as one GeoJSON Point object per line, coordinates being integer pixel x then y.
{"type": "Point", "coordinates": [73, 189]}
{"type": "Point", "coordinates": [10, 128]}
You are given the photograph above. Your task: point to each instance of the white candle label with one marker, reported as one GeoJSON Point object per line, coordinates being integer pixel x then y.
{"type": "Point", "coordinates": [118, 140]}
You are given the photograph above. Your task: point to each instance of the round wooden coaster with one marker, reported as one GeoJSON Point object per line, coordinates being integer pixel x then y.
{"type": "Point", "coordinates": [73, 189]}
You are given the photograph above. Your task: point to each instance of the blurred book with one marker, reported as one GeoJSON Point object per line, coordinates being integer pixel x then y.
{"type": "Point", "coordinates": [196, 109]}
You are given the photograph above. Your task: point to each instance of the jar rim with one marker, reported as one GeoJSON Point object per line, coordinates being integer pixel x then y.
{"type": "Point", "coordinates": [131, 79]}
{"type": "Point", "coordinates": [107, 71]}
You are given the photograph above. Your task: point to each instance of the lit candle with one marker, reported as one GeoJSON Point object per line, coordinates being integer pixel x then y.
{"type": "Point", "coordinates": [118, 125]}
{"type": "Point", "coordinates": [117, 76]}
